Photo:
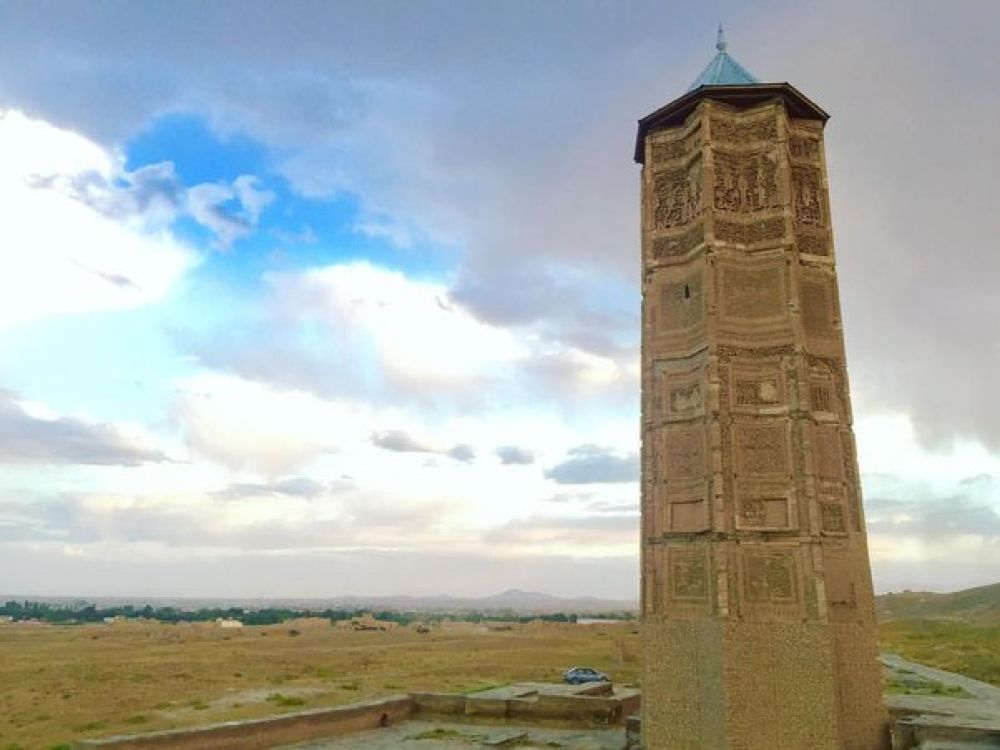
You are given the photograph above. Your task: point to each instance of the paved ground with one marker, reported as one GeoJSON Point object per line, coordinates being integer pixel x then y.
{"type": "Point", "coordinates": [968, 721]}
{"type": "Point", "coordinates": [442, 735]}
{"type": "Point", "coordinates": [901, 668]}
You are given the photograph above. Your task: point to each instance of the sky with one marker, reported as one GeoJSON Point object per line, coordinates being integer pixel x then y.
{"type": "Point", "coordinates": [314, 299]}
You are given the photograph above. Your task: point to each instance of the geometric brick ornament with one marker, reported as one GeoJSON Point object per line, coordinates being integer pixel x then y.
{"type": "Point", "coordinates": [757, 603]}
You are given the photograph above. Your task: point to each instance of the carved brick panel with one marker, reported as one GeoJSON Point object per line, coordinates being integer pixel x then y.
{"type": "Point", "coordinates": [677, 246]}
{"type": "Point", "coordinates": [684, 453]}
{"type": "Point", "coordinates": [675, 320]}
{"type": "Point", "coordinates": [828, 463]}
{"type": "Point", "coordinates": [753, 292]}
{"type": "Point", "coordinates": [803, 147]}
{"type": "Point", "coordinates": [761, 448]}
{"type": "Point", "coordinates": [746, 182]}
{"type": "Point", "coordinates": [682, 507]}
{"type": "Point", "coordinates": [678, 390]}
{"type": "Point", "coordinates": [753, 301]}
{"type": "Point", "coordinates": [808, 197]}
{"type": "Point", "coordinates": [690, 581]}
{"type": "Point", "coordinates": [676, 196]}
{"type": "Point", "coordinates": [739, 130]}
{"type": "Point", "coordinates": [766, 232]}
{"type": "Point", "coordinates": [762, 506]}
{"type": "Point", "coordinates": [770, 577]}
{"type": "Point", "coordinates": [840, 580]}
{"type": "Point", "coordinates": [757, 386]}
{"type": "Point", "coordinates": [812, 243]}
{"type": "Point", "coordinates": [820, 314]}
{"type": "Point", "coordinates": [833, 515]}
{"type": "Point", "coordinates": [674, 144]}
{"type": "Point", "coordinates": [771, 581]}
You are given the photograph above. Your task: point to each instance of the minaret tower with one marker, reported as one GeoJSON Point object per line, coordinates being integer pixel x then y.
{"type": "Point", "coordinates": [757, 603]}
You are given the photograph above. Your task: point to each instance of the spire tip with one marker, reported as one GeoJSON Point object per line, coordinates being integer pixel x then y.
{"type": "Point", "coordinates": [720, 40]}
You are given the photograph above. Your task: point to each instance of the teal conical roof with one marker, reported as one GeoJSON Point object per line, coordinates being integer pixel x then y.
{"type": "Point", "coordinates": [723, 70]}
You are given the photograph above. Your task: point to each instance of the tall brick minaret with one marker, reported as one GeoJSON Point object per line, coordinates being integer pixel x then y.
{"type": "Point", "coordinates": [757, 603]}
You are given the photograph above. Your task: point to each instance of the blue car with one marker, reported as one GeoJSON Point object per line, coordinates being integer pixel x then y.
{"type": "Point", "coordinates": [580, 675]}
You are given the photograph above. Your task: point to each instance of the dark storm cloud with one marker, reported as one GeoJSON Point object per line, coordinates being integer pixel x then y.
{"type": "Point", "coordinates": [25, 439]}
{"type": "Point", "coordinates": [515, 455]}
{"type": "Point", "coordinates": [592, 464]}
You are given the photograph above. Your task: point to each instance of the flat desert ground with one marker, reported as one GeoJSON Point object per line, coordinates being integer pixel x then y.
{"type": "Point", "coordinates": [63, 683]}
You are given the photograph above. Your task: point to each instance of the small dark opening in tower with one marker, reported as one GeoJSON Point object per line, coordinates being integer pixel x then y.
{"type": "Point", "coordinates": [383, 720]}
{"type": "Point", "coordinates": [687, 292]}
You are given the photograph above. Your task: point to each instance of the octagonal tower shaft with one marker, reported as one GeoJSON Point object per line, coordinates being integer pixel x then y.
{"type": "Point", "coordinates": [757, 602]}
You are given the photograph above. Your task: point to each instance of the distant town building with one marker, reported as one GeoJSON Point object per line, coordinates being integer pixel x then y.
{"type": "Point", "coordinates": [228, 623]}
{"type": "Point", "coordinates": [367, 621]}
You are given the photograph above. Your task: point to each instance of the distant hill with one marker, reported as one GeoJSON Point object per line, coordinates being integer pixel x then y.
{"type": "Point", "coordinates": [979, 605]}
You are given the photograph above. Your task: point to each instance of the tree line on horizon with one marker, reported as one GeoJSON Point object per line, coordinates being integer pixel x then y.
{"type": "Point", "coordinates": [67, 614]}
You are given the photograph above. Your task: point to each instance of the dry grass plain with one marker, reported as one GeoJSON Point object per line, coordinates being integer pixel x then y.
{"type": "Point", "coordinates": [62, 683]}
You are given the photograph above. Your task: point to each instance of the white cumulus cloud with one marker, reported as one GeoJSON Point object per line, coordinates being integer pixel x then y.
{"type": "Point", "coordinates": [61, 254]}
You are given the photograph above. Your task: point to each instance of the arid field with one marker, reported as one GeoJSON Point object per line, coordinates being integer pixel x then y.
{"type": "Point", "coordinates": [60, 683]}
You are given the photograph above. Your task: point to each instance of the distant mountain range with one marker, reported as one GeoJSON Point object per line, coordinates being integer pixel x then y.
{"type": "Point", "coordinates": [514, 601]}
{"type": "Point", "coordinates": [979, 605]}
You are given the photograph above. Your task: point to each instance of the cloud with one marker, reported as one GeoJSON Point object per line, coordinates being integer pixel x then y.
{"type": "Point", "coordinates": [70, 256]}
{"type": "Point", "coordinates": [462, 452]}
{"type": "Point", "coordinates": [584, 533]}
{"type": "Point", "coordinates": [29, 439]}
{"type": "Point", "coordinates": [278, 521]}
{"type": "Point", "coordinates": [461, 149]}
{"type": "Point", "coordinates": [362, 331]}
{"type": "Point", "coordinates": [306, 488]}
{"type": "Point", "coordinates": [154, 195]}
{"type": "Point", "coordinates": [247, 425]}
{"type": "Point", "coordinates": [515, 455]}
{"type": "Point", "coordinates": [61, 569]}
{"type": "Point", "coordinates": [400, 442]}
{"type": "Point", "coordinates": [933, 533]}
{"type": "Point", "coordinates": [592, 464]}
{"type": "Point", "coordinates": [230, 211]}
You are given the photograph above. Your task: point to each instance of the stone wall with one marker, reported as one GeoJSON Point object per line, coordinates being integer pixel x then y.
{"type": "Point", "coordinates": [260, 734]}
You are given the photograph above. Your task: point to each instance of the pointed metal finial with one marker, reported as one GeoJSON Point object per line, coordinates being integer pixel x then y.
{"type": "Point", "coordinates": [720, 40]}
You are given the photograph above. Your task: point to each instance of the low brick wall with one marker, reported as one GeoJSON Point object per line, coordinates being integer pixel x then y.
{"type": "Point", "coordinates": [447, 704]}
{"type": "Point", "coordinates": [631, 704]}
{"type": "Point", "coordinates": [261, 734]}
{"type": "Point", "coordinates": [593, 710]}
{"type": "Point", "coordinates": [497, 708]}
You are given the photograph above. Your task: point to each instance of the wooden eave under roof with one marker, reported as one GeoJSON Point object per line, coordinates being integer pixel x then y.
{"type": "Point", "coordinates": [674, 113]}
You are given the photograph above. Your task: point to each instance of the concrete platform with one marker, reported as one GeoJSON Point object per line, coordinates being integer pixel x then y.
{"type": "Point", "coordinates": [439, 735]}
